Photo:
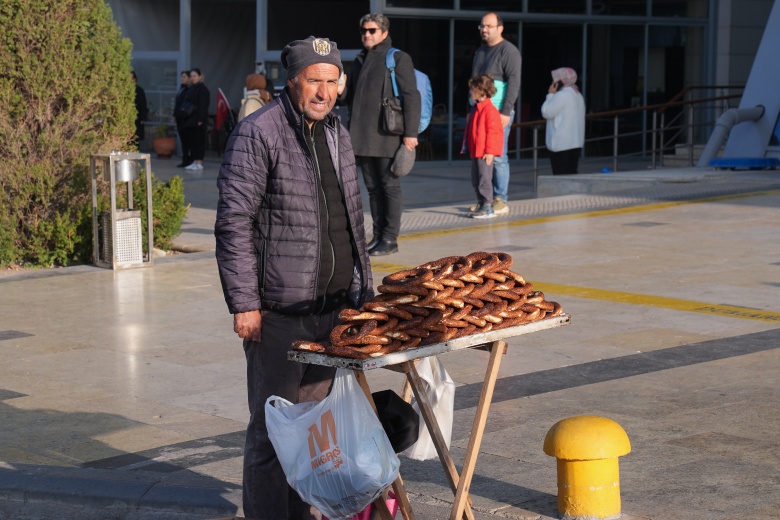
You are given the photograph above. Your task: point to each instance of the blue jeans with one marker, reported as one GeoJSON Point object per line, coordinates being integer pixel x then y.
{"type": "Point", "coordinates": [501, 166]}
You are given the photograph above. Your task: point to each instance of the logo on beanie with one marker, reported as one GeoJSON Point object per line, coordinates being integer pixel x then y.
{"type": "Point", "coordinates": [321, 47]}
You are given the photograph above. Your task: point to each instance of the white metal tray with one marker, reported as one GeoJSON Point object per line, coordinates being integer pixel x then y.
{"type": "Point", "coordinates": [395, 358]}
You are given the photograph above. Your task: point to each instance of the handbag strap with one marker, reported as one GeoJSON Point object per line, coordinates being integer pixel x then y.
{"type": "Point", "coordinates": [390, 64]}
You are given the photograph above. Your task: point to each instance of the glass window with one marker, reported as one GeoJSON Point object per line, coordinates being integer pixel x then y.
{"type": "Point", "coordinates": [499, 6]}
{"type": "Point", "coordinates": [427, 42]}
{"type": "Point", "coordinates": [620, 7]}
{"type": "Point", "coordinates": [561, 47]}
{"type": "Point", "coordinates": [151, 24]}
{"type": "Point", "coordinates": [556, 6]}
{"type": "Point", "coordinates": [340, 23]}
{"type": "Point", "coordinates": [678, 8]}
{"type": "Point", "coordinates": [421, 4]}
{"type": "Point", "coordinates": [160, 81]}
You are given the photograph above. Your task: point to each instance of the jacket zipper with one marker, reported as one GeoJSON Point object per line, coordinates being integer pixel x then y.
{"type": "Point", "coordinates": [318, 176]}
{"type": "Point", "coordinates": [363, 290]}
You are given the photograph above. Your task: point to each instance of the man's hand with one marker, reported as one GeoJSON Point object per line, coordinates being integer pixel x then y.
{"type": "Point", "coordinates": [488, 157]}
{"type": "Point", "coordinates": [410, 143]}
{"type": "Point", "coordinates": [247, 325]}
{"type": "Point", "coordinates": [504, 120]}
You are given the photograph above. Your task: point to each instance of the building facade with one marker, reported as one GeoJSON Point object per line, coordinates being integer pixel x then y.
{"type": "Point", "coordinates": [627, 52]}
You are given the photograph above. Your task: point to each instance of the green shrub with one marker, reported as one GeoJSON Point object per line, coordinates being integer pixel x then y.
{"type": "Point", "coordinates": [168, 209]}
{"type": "Point", "coordinates": [65, 93]}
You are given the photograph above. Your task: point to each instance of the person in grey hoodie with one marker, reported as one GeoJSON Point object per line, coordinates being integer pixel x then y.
{"type": "Point", "coordinates": [291, 251]}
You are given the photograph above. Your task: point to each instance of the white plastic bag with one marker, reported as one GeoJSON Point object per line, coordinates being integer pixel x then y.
{"type": "Point", "coordinates": [440, 389]}
{"type": "Point", "coordinates": [334, 453]}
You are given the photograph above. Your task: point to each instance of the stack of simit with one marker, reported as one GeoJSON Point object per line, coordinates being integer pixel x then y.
{"type": "Point", "coordinates": [450, 298]}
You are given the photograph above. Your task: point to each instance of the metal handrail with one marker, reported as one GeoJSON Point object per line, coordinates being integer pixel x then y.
{"type": "Point", "coordinates": [662, 134]}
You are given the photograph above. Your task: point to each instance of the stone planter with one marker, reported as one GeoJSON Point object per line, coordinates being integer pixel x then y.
{"type": "Point", "coordinates": [164, 146]}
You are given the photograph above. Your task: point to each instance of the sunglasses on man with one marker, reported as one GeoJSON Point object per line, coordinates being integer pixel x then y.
{"type": "Point", "coordinates": [371, 30]}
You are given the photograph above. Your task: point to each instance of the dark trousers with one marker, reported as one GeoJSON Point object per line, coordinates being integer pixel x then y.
{"type": "Point", "coordinates": [565, 161]}
{"type": "Point", "coordinates": [384, 196]}
{"type": "Point", "coordinates": [185, 136]}
{"type": "Point", "coordinates": [482, 180]}
{"type": "Point", "coordinates": [199, 142]}
{"type": "Point", "coordinates": [266, 492]}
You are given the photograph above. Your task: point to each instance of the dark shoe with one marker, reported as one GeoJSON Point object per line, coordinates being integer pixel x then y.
{"type": "Point", "coordinates": [485, 211]}
{"type": "Point", "coordinates": [374, 242]}
{"type": "Point", "coordinates": [385, 247]}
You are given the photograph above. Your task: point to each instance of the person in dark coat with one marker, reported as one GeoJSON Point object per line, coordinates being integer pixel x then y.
{"type": "Point", "coordinates": [141, 111]}
{"type": "Point", "coordinates": [181, 119]}
{"type": "Point", "coordinates": [367, 85]}
{"type": "Point", "coordinates": [200, 96]}
{"type": "Point", "coordinates": [291, 251]}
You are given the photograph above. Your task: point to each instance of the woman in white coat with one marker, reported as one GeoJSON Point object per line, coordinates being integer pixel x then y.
{"type": "Point", "coordinates": [564, 110]}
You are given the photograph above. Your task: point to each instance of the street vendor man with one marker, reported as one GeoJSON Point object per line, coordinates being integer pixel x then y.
{"type": "Point", "coordinates": [291, 251]}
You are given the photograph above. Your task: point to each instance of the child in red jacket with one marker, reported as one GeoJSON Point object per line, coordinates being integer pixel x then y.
{"type": "Point", "coordinates": [485, 140]}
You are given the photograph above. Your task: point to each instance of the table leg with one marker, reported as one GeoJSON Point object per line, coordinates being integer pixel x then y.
{"type": "Point", "coordinates": [398, 485]}
{"type": "Point", "coordinates": [426, 410]}
{"type": "Point", "coordinates": [497, 350]}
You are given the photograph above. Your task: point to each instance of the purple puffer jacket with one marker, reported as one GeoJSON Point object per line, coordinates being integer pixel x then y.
{"type": "Point", "coordinates": [268, 228]}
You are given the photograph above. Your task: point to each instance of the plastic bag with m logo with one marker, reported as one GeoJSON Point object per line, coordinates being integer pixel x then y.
{"type": "Point", "coordinates": [334, 453]}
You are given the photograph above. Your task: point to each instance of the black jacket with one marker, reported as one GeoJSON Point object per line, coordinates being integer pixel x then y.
{"type": "Point", "coordinates": [367, 85]}
{"type": "Point", "coordinates": [268, 225]}
{"type": "Point", "coordinates": [181, 95]}
{"type": "Point", "coordinates": [200, 96]}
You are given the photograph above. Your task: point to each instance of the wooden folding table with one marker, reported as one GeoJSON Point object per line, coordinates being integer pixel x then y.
{"type": "Point", "coordinates": [404, 362]}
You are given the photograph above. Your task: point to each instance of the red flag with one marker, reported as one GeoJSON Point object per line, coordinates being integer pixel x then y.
{"type": "Point", "coordinates": [223, 108]}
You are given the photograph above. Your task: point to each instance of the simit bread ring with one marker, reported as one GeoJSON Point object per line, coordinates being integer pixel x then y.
{"type": "Point", "coordinates": [482, 263]}
{"type": "Point", "coordinates": [491, 297]}
{"type": "Point", "coordinates": [504, 286]}
{"type": "Point", "coordinates": [463, 291]}
{"type": "Point", "coordinates": [409, 278]}
{"type": "Point", "coordinates": [508, 295]}
{"type": "Point", "coordinates": [475, 302]}
{"type": "Point", "coordinates": [514, 276]}
{"type": "Point", "coordinates": [347, 352]}
{"type": "Point", "coordinates": [471, 329]}
{"type": "Point", "coordinates": [356, 315]}
{"type": "Point", "coordinates": [452, 302]}
{"type": "Point", "coordinates": [374, 306]}
{"type": "Point", "coordinates": [417, 290]}
{"type": "Point", "coordinates": [308, 346]}
{"type": "Point", "coordinates": [481, 290]}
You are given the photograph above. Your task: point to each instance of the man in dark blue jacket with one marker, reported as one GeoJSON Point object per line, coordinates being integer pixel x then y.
{"type": "Point", "coordinates": [291, 250]}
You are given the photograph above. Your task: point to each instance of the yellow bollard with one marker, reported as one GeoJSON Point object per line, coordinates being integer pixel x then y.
{"type": "Point", "coordinates": [587, 449]}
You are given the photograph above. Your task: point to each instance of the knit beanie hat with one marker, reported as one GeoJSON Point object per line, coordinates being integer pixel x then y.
{"type": "Point", "coordinates": [403, 162]}
{"type": "Point", "coordinates": [299, 54]}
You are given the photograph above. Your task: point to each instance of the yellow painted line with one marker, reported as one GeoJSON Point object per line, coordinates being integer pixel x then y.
{"type": "Point", "coordinates": [589, 214]}
{"type": "Point", "coordinates": [606, 295]}
{"type": "Point", "coordinates": [389, 268]}
{"type": "Point", "coordinates": [660, 302]}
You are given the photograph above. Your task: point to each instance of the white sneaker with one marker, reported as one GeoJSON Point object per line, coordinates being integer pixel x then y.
{"type": "Point", "coordinates": [192, 166]}
{"type": "Point", "coordinates": [198, 166]}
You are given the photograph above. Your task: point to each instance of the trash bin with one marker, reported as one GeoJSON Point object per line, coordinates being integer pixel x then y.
{"type": "Point", "coordinates": [118, 232]}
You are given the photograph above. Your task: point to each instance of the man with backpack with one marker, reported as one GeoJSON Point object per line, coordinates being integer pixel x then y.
{"type": "Point", "coordinates": [375, 148]}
